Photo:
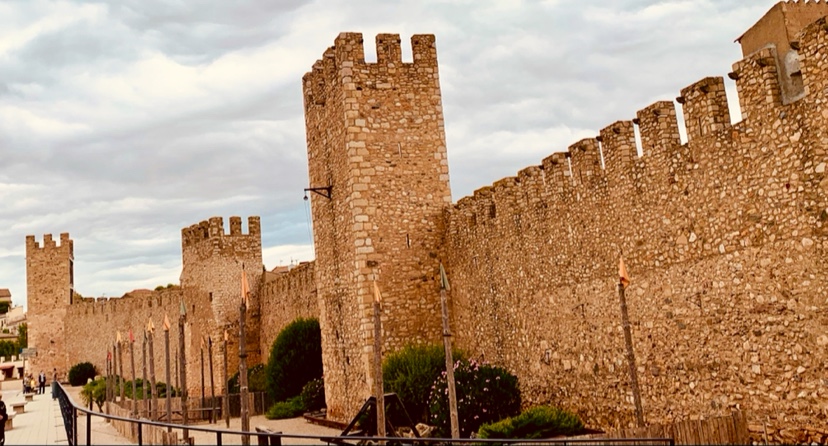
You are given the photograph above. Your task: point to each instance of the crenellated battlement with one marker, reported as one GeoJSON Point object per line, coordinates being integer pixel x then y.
{"type": "Point", "coordinates": [705, 107]}
{"type": "Point", "coordinates": [706, 114]}
{"type": "Point", "coordinates": [659, 128]}
{"type": "Point", "coordinates": [343, 66]}
{"type": "Point", "coordinates": [129, 303]}
{"type": "Point", "coordinates": [586, 160]}
{"type": "Point", "coordinates": [48, 243]}
{"type": "Point", "coordinates": [213, 228]}
{"type": "Point", "coordinates": [618, 144]}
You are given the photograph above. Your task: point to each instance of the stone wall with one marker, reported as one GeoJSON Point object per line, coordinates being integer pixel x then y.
{"type": "Point", "coordinates": [92, 326]}
{"type": "Point", "coordinates": [724, 237]}
{"type": "Point", "coordinates": [210, 292]}
{"type": "Point", "coordinates": [376, 138]}
{"type": "Point", "coordinates": [285, 297]}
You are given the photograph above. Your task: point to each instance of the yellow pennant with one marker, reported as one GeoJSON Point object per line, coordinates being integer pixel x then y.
{"type": "Point", "coordinates": [377, 294]}
{"type": "Point", "coordinates": [624, 278]}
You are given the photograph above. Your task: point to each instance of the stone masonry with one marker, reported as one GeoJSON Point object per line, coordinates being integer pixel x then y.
{"type": "Point", "coordinates": [376, 139]}
{"type": "Point", "coordinates": [67, 331]}
{"type": "Point", "coordinates": [49, 283]}
{"type": "Point", "coordinates": [725, 237]}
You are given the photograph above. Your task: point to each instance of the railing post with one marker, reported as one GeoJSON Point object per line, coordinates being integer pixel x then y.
{"type": "Point", "coordinates": [218, 438]}
{"type": "Point", "coordinates": [140, 435]}
{"type": "Point", "coordinates": [74, 424]}
{"type": "Point", "coordinates": [89, 424]}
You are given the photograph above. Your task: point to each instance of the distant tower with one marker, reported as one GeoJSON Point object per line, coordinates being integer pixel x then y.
{"type": "Point", "coordinates": [377, 163]}
{"type": "Point", "coordinates": [212, 265]}
{"type": "Point", "coordinates": [50, 290]}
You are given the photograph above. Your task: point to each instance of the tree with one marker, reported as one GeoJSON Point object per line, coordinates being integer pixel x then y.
{"type": "Point", "coordinates": [295, 359]}
{"type": "Point", "coordinates": [23, 335]}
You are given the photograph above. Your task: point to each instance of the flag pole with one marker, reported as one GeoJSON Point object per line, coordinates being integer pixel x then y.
{"type": "Point", "coordinates": [625, 323]}
{"type": "Point", "coordinates": [108, 378]}
{"type": "Point", "coordinates": [153, 388]}
{"type": "Point", "coordinates": [182, 355]}
{"type": "Point", "coordinates": [378, 363]}
{"type": "Point", "coordinates": [212, 383]}
{"type": "Point", "coordinates": [245, 412]}
{"type": "Point", "coordinates": [452, 391]}
{"type": "Point", "coordinates": [201, 405]}
{"type": "Point", "coordinates": [169, 387]}
{"type": "Point", "coordinates": [132, 367]}
{"type": "Point", "coordinates": [225, 407]}
{"type": "Point", "coordinates": [144, 387]}
{"type": "Point", "coordinates": [121, 369]}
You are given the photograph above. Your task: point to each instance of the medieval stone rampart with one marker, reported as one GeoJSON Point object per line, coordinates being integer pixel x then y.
{"type": "Point", "coordinates": [92, 325]}
{"type": "Point", "coordinates": [210, 292]}
{"type": "Point", "coordinates": [286, 297]}
{"type": "Point", "coordinates": [724, 236]}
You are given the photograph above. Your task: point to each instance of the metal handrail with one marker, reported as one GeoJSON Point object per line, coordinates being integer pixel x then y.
{"type": "Point", "coordinates": [70, 415]}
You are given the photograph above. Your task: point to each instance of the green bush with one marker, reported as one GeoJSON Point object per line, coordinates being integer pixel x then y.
{"type": "Point", "coordinates": [313, 395]}
{"type": "Point", "coordinates": [485, 394]}
{"type": "Point", "coordinates": [94, 391]}
{"type": "Point", "coordinates": [160, 389]}
{"type": "Point", "coordinates": [537, 422]}
{"type": "Point", "coordinates": [80, 373]}
{"type": "Point", "coordinates": [255, 380]}
{"type": "Point", "coordinates": [291, 408]}
{"type": "Point", "coordinates": [295, 359]}
{"type": "Point", "coordinates": [411, 372]}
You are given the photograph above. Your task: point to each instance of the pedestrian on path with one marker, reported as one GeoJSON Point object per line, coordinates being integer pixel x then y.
{"type": "Point", "coordinates": [41, 381]}
{"type": "Point", "coordinates": [54, 384]}
{"type": "Point", "coordinates": [3, 417]}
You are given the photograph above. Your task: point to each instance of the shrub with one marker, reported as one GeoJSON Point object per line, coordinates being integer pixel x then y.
{"type": "Point", "coordinates": [295, 359]}
{"type": "Point", "coordinates": [291, 408]}
{"type": "Point", "coordinates": [411, 372]}
{"type": "Point", "coordinates": [160, 388]}
{"type": "Point", "coordinates": [255, 380]}
{"type": "Point", "coordinates": [485, 394]}
{"type": "Point", "coordinates": [94, 391]}
{"type": "Point", "coordinates": [80, 373]}
{"type": "Point", "coordinates": [537, 422]}
{"type": "Point", "coordinates": [313, 395]}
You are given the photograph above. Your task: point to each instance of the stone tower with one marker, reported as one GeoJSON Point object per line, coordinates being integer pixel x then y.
{"type": "Point", "coordinates": [377, 164]}
{"type": "Point", "coordinates": [49, 285]}
{"type": "Point", "coordinates": [212, 264]}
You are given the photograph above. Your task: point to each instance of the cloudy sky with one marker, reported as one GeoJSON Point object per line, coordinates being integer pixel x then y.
{"type": "Point", "coordinates": [123, 121]}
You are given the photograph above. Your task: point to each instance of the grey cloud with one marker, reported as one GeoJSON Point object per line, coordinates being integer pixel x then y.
{"type": "Point", "coordinates": [198, 32]}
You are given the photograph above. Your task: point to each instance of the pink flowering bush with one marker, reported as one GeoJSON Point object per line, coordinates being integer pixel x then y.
{"type": "Point", "coordinates": [485, 394]}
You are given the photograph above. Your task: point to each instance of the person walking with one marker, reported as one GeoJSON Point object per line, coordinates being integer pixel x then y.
{"type": "Point", "coordinates": [41, 380]}
{"type": "Point", "coordinates": [3, 417]}
{"type": "Point", "coordinates": [54, 384]}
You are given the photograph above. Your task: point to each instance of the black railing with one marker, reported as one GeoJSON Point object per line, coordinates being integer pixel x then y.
{"type": "Point", "coordinates": [68, 411]}
{"type": "Point", "coordinates": [70, 420]}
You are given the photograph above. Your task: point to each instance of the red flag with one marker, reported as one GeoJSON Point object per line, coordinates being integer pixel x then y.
{"type": "Point", "coordinates": [624, 278]}
{"type": "Point", "coordinates": [131, 336]}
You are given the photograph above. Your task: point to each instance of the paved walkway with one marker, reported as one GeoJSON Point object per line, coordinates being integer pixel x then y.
{"type": "Point", "coordinates": [42, 423]}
